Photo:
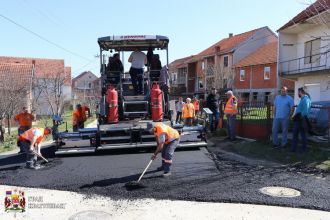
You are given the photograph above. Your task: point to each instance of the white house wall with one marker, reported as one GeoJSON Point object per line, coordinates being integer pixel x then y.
{"type": "Point", "coordinates": [287, 50]}
{"type": "Point", "coordinates": [323, 82]}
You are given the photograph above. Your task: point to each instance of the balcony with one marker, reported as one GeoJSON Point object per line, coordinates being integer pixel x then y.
{"type": "Point", "coordinates": [305, 65]}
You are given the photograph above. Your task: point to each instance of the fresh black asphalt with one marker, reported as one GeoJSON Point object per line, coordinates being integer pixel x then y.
{"type": "Point", "coordinates": [197, 175]}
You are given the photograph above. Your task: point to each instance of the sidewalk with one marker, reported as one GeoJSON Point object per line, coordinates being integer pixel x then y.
{"type": "Point", "coordinates": [99, 207]}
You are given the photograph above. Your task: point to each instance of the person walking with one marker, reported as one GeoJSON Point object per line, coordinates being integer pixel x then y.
{"type": "Point", "coordinates": [188, 112]}
{"type": "Point", "coordinates": [138, 59]}
{"type": "Point", "coordinates": [231, 112]}
{"type": "Point", "coordinates": [30, 141]}
{"type": "Point", "coordinates": [179, 111]}
{"type": "Point", "coordinates": [25, 123]}
{"type": "Point", "coordinates": [300, 125]}
{"type": "Point", "coordinates": [213, 104]}
{"type": "Point", "coordinates": [283, 110]}
{"type": "Point", "coordinates": [167, 140]}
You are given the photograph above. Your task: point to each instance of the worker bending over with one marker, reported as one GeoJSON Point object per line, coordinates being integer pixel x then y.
{"type": "Point", "coordinates": [167, 140]}
{"type": "Point", "coordinates": [30, 141]}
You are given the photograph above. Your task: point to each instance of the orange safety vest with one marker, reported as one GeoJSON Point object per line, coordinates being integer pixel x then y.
{"type": "Point", "coordinates": [34, 135]}
{"type": "Point", "coordinates": [171, 134]}
{"type": "Point", "coordinates": [231, 106]}
{"type": "Point", "coordinates": [84, 109]}
{"type": "Point", "coordinates": [188, 111]}
{"type": "Point", "coordinates": [196, 105]}
{"type": "Point", "coordinates": [77, 117]}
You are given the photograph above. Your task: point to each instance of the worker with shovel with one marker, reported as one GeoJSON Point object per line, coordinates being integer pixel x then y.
{"type": "Point", "coordinates": [167, 140]}
{"type": "Point", "coordinates": [30, 141]}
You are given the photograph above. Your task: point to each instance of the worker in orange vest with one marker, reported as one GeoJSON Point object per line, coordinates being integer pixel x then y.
{"type": "Point", "coordinates": [196, 105]}
{"type": "Point", "coordinates": [231, 112]}
{"type": "Point", "coordinates": [30, 141]}
{"type": "Point", "coordinates": [85, 109]}
{"type": "Point", "coordinates": [167, 140]}
{"type": "Point", "coordinates": [188, 112]}
{"type": "Point", "coordinates": [78, 118]}
{"type": "Point", "coordinates": [25, 123]}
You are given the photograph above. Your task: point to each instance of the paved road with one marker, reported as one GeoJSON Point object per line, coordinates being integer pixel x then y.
{"type": "Point", "coordinates": [196, 177]}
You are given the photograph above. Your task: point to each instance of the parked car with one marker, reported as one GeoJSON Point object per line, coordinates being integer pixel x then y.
{"type": "Point", "coordinates": [319, 117]}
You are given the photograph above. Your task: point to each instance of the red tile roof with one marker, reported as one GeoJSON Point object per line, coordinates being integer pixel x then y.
{"type": "Point", "coordinates": [15, 76]}
{"type": "Point", "coordinates": [179, 63]}
{"type": "Point", "coordinates": [225, 45]}
{"type": "Point", "coordinates": [265, 54]}
{"type": "Point", "coordinates": [314, 9]}
{"type": "Point", "coordinates": [43, 67]}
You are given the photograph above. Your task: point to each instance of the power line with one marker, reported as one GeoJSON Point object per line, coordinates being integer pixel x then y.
{"type": "Point", "coordinates": [43, 38]}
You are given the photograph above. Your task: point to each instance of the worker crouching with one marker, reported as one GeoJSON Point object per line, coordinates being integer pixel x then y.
{"type": "Point", "coordinates": [167, 140]}
{"type": "Point", "coordinates": [30, 141]}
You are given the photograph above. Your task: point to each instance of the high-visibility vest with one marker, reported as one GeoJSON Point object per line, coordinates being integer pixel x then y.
{"type": "Point", "coordinates": [196, 105]}
{"type": "Point", "coordinates": [231, 106]}
{"type": "Point", "coordinates": [77, 117]}
{"type": "Point", "coordinates": [170, 133]}
{"type": "Point", "coordinates": [34, 135]}
{"type": "Point", "coordinates": [188, 110]}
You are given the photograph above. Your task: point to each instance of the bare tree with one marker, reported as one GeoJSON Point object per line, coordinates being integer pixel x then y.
{"type": "Point", "coordinates": [219, 76]}
{"type": "Point", "coordinates": [49, 92]}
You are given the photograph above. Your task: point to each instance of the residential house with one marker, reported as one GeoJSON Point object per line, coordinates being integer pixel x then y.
{"type": "Point", "coordinates": [46, 75]}
{"type": "Point", "coordinates": [304, 54]}
{"type": "Point", "coordinates": [256, 75]}
{"type": "Point", "coordinates": [214, 66]}
{"type": "Point", "coordinates": [178, 74]}
{"type": "Point", "coordinates": [86, 88]}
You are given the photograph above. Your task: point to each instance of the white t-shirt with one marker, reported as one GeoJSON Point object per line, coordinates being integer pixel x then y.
{"type": "Point", "coordinates": [138, 59]}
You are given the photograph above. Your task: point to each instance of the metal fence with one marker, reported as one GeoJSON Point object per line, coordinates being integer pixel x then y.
{"type": "Point", "coordinates": [254, 120]}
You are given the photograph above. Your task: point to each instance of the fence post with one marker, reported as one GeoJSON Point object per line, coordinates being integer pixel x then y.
{"type": "Point", "coordinates": [268, 120]}
{"type": "Point", "coordinates": [241, 120]}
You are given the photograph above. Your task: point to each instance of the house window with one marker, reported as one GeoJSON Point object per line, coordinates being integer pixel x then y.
{"type": "Point", "coordinates": [89, 85]}
{"type": "Point", "coordinates": [241, 75]}
{"type": "Point", "coordinates": [200, 84]}
{"type": "Point", "coordinates": [267, 73]}
{"type": "Point", "coordinates": [312, 51]}
{"type": "Point", "coordinates": [225, 61]}
{"type": "Point", "coordinates": [255, 96]}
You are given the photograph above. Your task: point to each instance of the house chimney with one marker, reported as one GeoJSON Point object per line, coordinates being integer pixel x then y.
{"type": "Point", "coordinates": [231, 35]}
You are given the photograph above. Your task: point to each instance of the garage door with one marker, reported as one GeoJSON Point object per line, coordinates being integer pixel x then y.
{"type": "Point", "coordinates": [314, 91]}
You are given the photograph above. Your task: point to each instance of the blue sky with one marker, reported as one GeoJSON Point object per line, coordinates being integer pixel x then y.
{"type": "Point", "coordinates": [191, 25]}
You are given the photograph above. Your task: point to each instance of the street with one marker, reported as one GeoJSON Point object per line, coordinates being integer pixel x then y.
{"type": "Point", "coordinates": [197, 175]}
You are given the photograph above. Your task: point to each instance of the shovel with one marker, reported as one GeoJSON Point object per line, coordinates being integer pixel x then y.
{"type": "Point", "coordinates": [39, 155]}
{"type": "Point", "coordinates": [136, 184]}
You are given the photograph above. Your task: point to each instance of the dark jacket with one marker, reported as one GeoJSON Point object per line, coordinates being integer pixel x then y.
{"type": "Point", "coordinates": [115, 65]}
{"type": "Point", "coordinates": [212, 103]}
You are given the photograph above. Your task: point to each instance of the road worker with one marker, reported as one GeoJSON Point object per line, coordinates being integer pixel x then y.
{"type": "Point", "coordinates": [78, 118]}
{"type": "Point", "coordinates": [231, 112]}
{"type": "Point", "coordinates": [188, 111]}
{"type": "Point", "coordinates": [167, 140]}
{"type": "Point", "coordinates": [30, 141]}
{"type": "Point", "coordinates": [196, 105]}
{"type": "Point", "coordinates": [85, 109]}
{"type": "Point", "coordinates": [25, 123]}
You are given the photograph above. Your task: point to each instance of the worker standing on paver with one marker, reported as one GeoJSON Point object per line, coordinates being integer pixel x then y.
{"type": "Point", "coordinates": [231, 112]}
{"type": "Point", "coordinates": [167, 140]}
{"type": "Point", "coordinates": [25, 123]}
{"type": "Point", "coordinates": [78, 118]}
{"type": "Point", "coordinates": [30, 141]}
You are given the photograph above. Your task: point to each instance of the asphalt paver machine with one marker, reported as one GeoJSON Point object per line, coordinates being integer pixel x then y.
{"type": "Point", "coordinates": [122, 114]}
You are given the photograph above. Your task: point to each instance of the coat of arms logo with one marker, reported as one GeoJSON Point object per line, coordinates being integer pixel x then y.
{"type": "Point", "coordinates": [14, 201]}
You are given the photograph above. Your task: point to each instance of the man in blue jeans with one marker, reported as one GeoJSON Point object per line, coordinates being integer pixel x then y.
{"type": "Point", "coordinates": [300, 124]}
{"type": "Point", "coordinates": [283, 110]}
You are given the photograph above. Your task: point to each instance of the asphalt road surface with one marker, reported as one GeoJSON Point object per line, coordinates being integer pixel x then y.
{"type": "Point", "coordinates": [197, 176]}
